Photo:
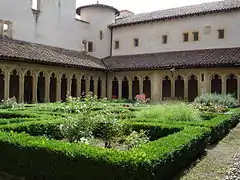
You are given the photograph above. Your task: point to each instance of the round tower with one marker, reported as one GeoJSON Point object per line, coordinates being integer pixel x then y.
{"type": "Point", "coordinates": [98, 16]}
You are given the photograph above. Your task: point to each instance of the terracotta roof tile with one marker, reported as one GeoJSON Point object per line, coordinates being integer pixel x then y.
{"type": "Point", "coordinates": [198, 9]}
{"type": "Point", "coordinates": [178, 59]}
{"type": "Point", "coordinates": [14, 49]}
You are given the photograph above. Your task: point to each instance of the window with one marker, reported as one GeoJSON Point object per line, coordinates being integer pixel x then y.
{"type": "Point", "coordinates": [195, 36]}
{"type": "Point", "coordinates": [207, 29]}
{"type": "Point", "coordinates": [84, 45]}
{"type": "Point", "coordinates": [202, 77]}
{"type": "Point", "coordinates": [221, 34]}
{"type": "Point", "coordinates": [185, 37]}
{"type": "Point", "coordinates": [101, 35]}
{"type": "Point", "coordinates": [136, 42]}
{"type": "Point", "coordinates": [164, 39]}
{"type": "Point", "coordinates": [116, 45]}
{"type": "Point", "coordinates": [90, 46]}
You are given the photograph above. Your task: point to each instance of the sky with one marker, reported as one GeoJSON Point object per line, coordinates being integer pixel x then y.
{"type": "Point", "coordinates": [140, 6]}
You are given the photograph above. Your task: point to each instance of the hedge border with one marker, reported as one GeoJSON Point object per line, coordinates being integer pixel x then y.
{"type": "Point", "coordinates": [39, 158]}
{"type": "Point", "coordinates": [149, 161]}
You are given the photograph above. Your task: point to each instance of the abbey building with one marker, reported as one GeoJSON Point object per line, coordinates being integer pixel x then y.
{"type": "Point", "coordinates": [49, 49]}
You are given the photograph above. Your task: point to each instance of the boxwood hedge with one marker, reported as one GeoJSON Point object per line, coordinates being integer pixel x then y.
{"type": "Point", "coordinates": [24, 152]}
{"type": "Point", "coordinates": [38, 158]}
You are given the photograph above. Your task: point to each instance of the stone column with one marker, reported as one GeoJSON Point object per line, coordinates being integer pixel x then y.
{"type": "Point", "coordinates": [224, 89]}
{"type": "Point", "coordinates": [47, 88]}
{"type": "Point", "coordinates": [69, 86]}
{"type": "Point", "coordinates": [79, 85]}
{"type": "Point", "coordinates": [109, 88]}
{"type": "Point", "coordinates": [34, 88]}
{"type": "Point", "coordinates": [120, 88]}
{"type": "Point", "coordinates": [95, 86]}
{"type": "Point", "coordinates": [58, 88]}
{"type": "Point", "coordinates": [141, 85]}
{"type": "Point", "coordinates": [21, 87]}
{"type": "Point", "coordinates": [103, 87]}
{"type": "Point", "coordinates": [156, 87]}
{"type": "Point", "coordinates": [172, 87]}
{"type": "Point", "coordinates": [6, 84]}
{"type": "Point", "coordinates": [130, 88]}
{"type": "Point", "coordinates": [87, 85]}
{"type": "Point", "coordinates": [208, 79]}
{"type": "Point", "coordinates": [186, 88]}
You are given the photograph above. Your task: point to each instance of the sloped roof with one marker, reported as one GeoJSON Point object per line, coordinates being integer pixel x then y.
{"type": "Point", "coordinates": [21, 50]}
{"type": "Point", "coordinates": [179, 59]}
{"type": "Point", "coordinates": [218, 6]}
{"type": "Point", "coordinates": [42, 54]}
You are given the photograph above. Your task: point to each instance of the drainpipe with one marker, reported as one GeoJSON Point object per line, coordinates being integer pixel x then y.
{"type": "Point", "coordinates": [111, 41]}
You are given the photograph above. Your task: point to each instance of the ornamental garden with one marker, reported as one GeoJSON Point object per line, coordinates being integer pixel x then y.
{"type": "Point", "coordinates": [89, 138]}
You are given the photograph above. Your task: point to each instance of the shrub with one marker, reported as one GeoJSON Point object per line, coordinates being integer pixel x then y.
{"type": "Point", "coordinates": [170, 112]}
{"type": "Point", "coordinates": [222, 99]}
{"type": "Point", "coordinates": [136, 139]}
{"type": "Point", "coordinates": [48, 128]}
{"type": "Point", "coordinates": [33, 157]}
{"type": "Point", "coordinates": [142, 99]}
{"type": "Point", "coordinates": [74, 129]}
{"type": "Point", "coordinates": [10, 103]}
{"type": "Point", "coordinates": [218, 108]}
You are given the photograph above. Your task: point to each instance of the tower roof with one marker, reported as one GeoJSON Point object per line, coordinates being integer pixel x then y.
{"type": "Point", "coordinates": [78, 10]}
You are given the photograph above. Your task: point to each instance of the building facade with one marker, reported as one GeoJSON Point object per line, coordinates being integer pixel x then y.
{"type": "Point", "coordinates": [49, 50]}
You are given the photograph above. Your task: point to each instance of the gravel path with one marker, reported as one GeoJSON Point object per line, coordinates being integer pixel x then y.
{"type": "Point", "coordinates": [222, 162]}
{"type": "Point", "coordinates": [234, 172]}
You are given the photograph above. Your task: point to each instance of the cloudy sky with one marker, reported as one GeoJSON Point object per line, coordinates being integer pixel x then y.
{"type": "Point", "coordinates": [139, 6]}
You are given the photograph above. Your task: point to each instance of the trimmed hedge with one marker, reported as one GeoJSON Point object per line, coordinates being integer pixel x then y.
{"type": "Point", "coordinates": [36, 157]}
{"type": "Point", "coordinates": [35, 128]}
{"type": "Point", "coordinates": [15, 120]}
{"type": "Point", "coordinates": [39, 158]}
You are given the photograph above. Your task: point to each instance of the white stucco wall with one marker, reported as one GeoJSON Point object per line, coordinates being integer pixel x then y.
{"type": "Point", "coordinates": [150, 34]}
{"type": "Point", "coordinates": [56, 24]}
{"type": "Point", "coordinates": [99, 19]}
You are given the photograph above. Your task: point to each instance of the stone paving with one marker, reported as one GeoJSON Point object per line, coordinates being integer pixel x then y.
{"type": "Point", "coordinates": [234, 172]}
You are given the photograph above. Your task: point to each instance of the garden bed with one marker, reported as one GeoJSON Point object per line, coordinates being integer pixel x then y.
{"type": "Point", "coordinates": [33, 157]}
{"type": "Point", "coordinates": [46, 141]}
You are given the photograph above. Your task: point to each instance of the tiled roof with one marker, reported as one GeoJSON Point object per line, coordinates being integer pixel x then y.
{"type": "Point", "coordinates": [185, 11]}
{"type": "Point", "coordinates": [21, 50]}
{"type": "Point", "coordinates": [178, 59]}
{"type": "Point", "coordinates": [78, 11]}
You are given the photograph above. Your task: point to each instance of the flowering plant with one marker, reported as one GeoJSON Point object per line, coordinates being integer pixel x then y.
{"type": "Point", "coordinates": [142, 99]}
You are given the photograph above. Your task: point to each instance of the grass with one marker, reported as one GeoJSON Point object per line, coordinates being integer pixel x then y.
{"type": "Point", "coordinates": [169, 112]}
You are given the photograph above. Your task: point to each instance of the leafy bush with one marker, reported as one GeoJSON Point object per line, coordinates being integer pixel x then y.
{"type": "Point", "coordinates": [10, 103]}
{"type": "Point", "coordinates": [74, 129]}
{"type": "Point", "coordinates": [136, 139]}
{"type": "Point", "coordinates": [211, 107]}
{"type": "Point", "coordinates": [142, 99]}
{"type": "Point", "coordinates": [170, 112]}
{"type": "Point", "coordinates": [221, 99]}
